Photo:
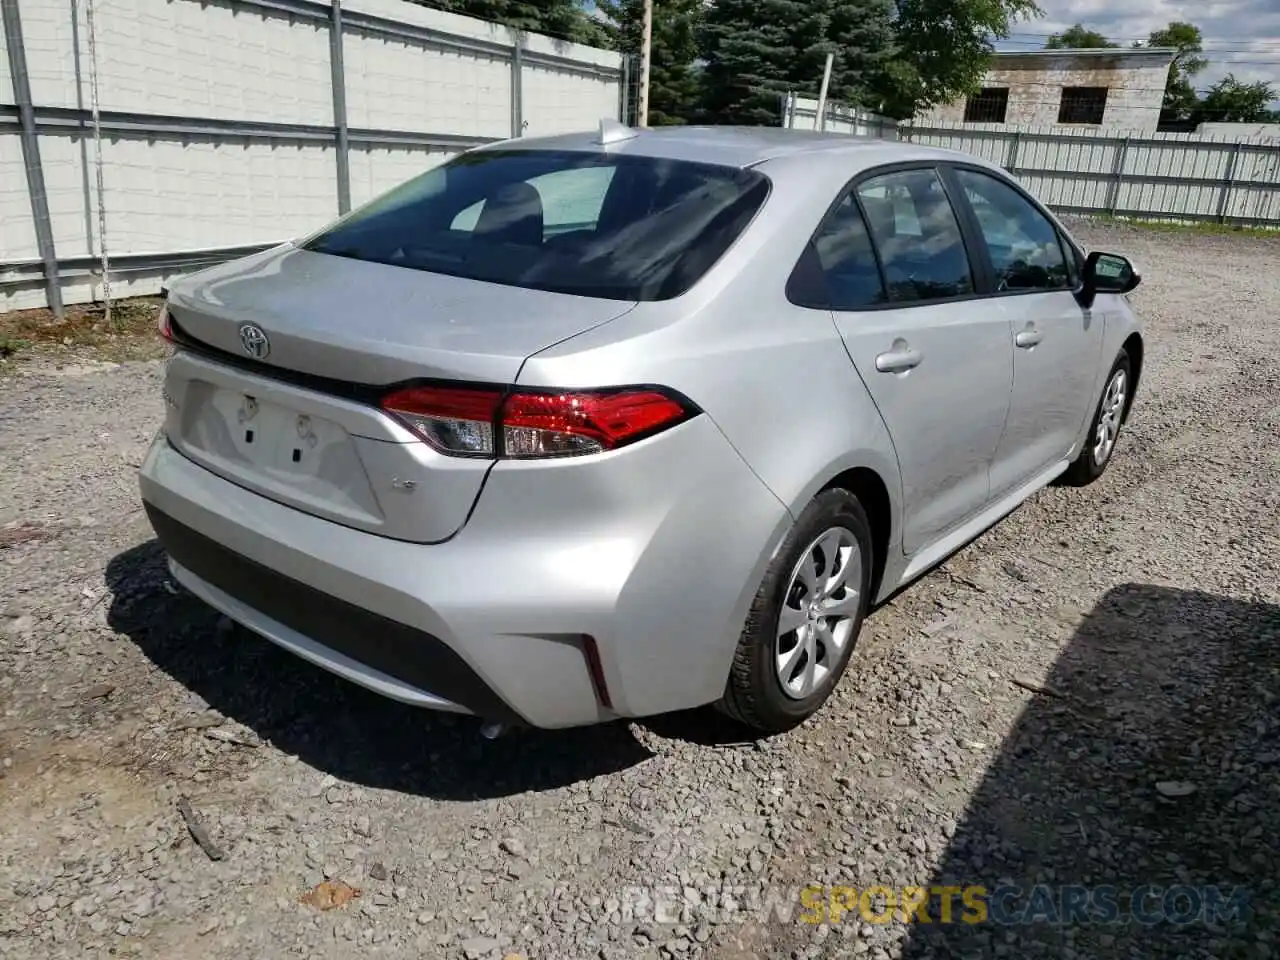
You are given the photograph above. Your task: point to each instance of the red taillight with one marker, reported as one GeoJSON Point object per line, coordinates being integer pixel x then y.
{"type": "Point", "coordinates": [454, 420]}
{"type": "Point", "coordinates": [528, 424]}
{"type": "Point", "coordinates": [163, 323]}
{"type": "Point", "coordinates": [563, 424]}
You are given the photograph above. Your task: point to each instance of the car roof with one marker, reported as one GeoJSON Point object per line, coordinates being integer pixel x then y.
{"type": "Point", "coordinates": [735, 146]}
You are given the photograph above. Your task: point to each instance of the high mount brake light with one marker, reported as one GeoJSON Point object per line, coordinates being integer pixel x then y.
{"type": "Point", "coordinates": [477, 422]}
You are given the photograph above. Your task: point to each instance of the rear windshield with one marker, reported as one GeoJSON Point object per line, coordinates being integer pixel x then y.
{"type": "Point", "coordinates": [620, 228]}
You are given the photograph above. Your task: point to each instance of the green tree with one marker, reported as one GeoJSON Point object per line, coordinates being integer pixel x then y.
{"type": "Point", "coordinates": [944, 47]}
{"type": "Point", "coordinates": [673, 82]}
{"type": "Point", "coordinates": [751, 58]}
{"type": "Point", "coordinates": [556, 18]}
{"type": "Point", "coordinates": [1078, 37]}
{"type": "Point", "coordinates": [758, 50]}
{"type": "Point", "coordinates": [865, 46]}
{"type": "Point", "coordinates": [1180, 98]}
{"type": "Point", "coordinates": [1234, 101]}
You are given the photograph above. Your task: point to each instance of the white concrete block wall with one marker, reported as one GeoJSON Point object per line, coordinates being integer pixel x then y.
{"type": "Point", "coordinates": [567, 101]}
{"type": "Point", "coordinates": [17, 232]}
{"type": "Point", "coordinates": [468, 92]}
{"type": "Point", "coordinates": [375, 170]}
{"type": "Point", "coordinates": [212, 60]}
{"type": "Point", "coordinates": [182, 58]}
{"type": "Point", "coordinates": [166, 196]}
{"type": "Point", "coordinates": [394, 84]}
{"type": "Point", "coordinates": [397, 11]}
{"type": "Point", "coordinates": [6, 85]}
{"type": "Point", "coordinates": [47, 36]}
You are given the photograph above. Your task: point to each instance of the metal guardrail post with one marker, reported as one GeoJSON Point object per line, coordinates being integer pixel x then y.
{"type": "Point", "coordinates": [1225, 196]}
{"type": "Point", "coordinates": [517, 84]}
{"type": "Point", "coordinates": [1117, 177]}
{"type": "Point", "coordinates": [1011, 160]}
{"type": "Point", "coordinates": [338, 78]}
{"type": "Point", "coordinates": [31, 153]}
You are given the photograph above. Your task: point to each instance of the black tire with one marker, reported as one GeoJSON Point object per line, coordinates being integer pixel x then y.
{"type": "Point", "coordinates": [1086, 467]}
{"type": "Point", "coordinates": [754, 693]}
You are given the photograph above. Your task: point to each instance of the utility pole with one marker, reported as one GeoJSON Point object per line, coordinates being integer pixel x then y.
{"type": "Point", "coordinates": [646, 50]}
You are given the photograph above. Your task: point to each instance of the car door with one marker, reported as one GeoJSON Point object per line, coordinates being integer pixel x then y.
{"type": "Point", "coordinates": [935, 360]}
{"type": "Point", "coordinates": [1057, 343]}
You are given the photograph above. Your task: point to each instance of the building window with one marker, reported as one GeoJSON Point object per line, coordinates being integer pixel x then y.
{"type": "Point", "coordinates": [989, 106]}
{"type": "Point", "coordinates": [1083, 105]}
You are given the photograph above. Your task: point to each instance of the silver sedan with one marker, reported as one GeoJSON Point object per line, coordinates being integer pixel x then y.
{"type": "Point", "coordinates": [613, 424]}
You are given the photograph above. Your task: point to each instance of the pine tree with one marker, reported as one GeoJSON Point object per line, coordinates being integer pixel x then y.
{"type": "Point", "coordinates": [863, 38]}
{"type": "Point", "coordinates": [758, 50]}
{"type": "Point", "coordinates": [750, 48]}
{"type": "Point", "coordinates": [673, 83]}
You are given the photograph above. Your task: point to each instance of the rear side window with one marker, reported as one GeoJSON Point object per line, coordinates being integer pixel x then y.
{"type": "Point", "coordinates": [848, 263]}
{"type": "Point", "coordinates": [615, 227]}
{"type": "Point", "coordinates": [917, 235]}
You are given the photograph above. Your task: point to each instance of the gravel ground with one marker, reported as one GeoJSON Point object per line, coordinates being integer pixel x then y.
{"type": "Point", "coordinates": [1086, 696]}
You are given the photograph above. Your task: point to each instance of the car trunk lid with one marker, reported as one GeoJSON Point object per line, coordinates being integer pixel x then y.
{"type": "Point", "coordinates": [373, 323]}
{"type": "Point", "coordinates": [298, 421]}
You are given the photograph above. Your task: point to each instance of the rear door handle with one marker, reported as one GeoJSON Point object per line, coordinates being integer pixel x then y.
{"type": "Point", "coordinates": [1028, 338]}
{"type": "Point", "coordinates": [900, 359]}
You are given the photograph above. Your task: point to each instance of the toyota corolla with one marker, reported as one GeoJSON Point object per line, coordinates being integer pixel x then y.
{"type": "Point", "coordinates": [613, 424]}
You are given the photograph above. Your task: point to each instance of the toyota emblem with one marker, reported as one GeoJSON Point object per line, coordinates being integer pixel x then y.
{"type": "Point", "coordinates": [254, 341]}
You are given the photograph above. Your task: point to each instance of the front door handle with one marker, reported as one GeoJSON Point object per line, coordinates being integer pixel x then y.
{"type": "Point", "coordinates": [1028, 338]}
{"type": "Point", "coordinates": [900, 359]}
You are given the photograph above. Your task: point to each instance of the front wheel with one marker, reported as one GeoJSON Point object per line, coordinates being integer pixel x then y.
{"type": "Point", "coordinates": [805, 619]}
{"type": "Point", "coordinates": [1104, 429]}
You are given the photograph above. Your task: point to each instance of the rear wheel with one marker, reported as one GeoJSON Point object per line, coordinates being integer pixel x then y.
{"type": "Point", "coordinates": [1104, 429]}
{"type": "Point", "coordinates": [805, 619]}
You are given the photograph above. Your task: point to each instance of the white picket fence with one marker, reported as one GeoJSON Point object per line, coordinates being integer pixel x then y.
{"type": "Point", "coordinates": [801, 113]}
{"type": "Point", "coordinates": [230, 125]}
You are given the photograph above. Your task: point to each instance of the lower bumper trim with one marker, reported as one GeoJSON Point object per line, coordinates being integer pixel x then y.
{"type": "Point", "coordinates": [398, 650]}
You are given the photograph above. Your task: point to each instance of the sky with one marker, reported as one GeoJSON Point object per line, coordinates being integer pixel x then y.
{"type": "Point", "coordinates": [1241, 36]}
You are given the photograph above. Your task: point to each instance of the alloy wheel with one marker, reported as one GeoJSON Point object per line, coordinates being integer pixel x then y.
{"type": "Point", "coordinates": [819, 609]}
{"type": "Point", "coordinates": [1109, 417]}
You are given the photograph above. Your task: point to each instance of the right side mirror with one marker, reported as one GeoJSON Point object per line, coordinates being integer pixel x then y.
{"type": "Point", "coordinates": [1106, 273]}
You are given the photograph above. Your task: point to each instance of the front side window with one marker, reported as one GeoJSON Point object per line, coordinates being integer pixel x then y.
{"type": "Point", "coordinates": [587, 224]}
{"type": "Point", "coordinates": [1025, 249]}
{"type": "Point", "coordinates": [917, 235]}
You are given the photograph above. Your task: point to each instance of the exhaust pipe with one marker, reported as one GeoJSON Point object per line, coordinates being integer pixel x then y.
{"type": "Point", "coordinates": [492, 731]}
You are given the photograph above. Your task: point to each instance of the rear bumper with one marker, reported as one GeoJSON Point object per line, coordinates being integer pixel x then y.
{"type": "Point", "coordinates": [658, 569]}
{"type": "Point", "coordinates": [388, 656]}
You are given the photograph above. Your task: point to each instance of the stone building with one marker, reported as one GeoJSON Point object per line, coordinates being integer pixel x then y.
{"type": "Point", "coordinates": [1113, 89]}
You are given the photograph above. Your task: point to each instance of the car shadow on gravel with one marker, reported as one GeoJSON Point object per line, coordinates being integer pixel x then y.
{"type": "Point", "coordinates": [1133, 809]}
{"type": "Point", "coordinates": [332, 724]}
